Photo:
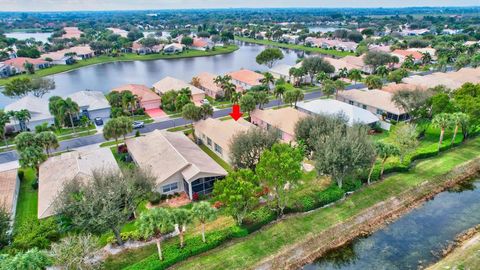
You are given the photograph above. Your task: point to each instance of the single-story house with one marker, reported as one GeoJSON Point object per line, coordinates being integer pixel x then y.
{"type": "Point", "coordinates": [348, 63]}
{"type": "Point", "coordinates": [292, 39]}
{"type": "Point", "coordinates": [72, 32]}
{"type": "Point", "coordinates": [281, 71]}
{"type": "Point", "coordinates": [38, 109]}
{"type": "Point", "coordinates": [92, 104]}
{"type": "Point", "coordinates": [333, 107]}
{"type": "Point", "coordinates": [331, 43]}
{"type": "Point", "coordinates": [170, 83]}
{"type": "Point", "coordinates": [377, 102]}
{"type": "Point", "coordinates": [173, 48]}
{"type": "Point", "coordinates": [138, 48]}
{"type": "Point", "coordinates": [403, 54]}
{"type": "Point", "coordinates": [202, 44]}
{"type": "Point", "coordinates": [147, 99]}
{"type": "Point", "coordinates": [118, 31]}
{"type": "Point", "coordinates": [66, 56]}
{"type": "Point", "coordinates": [246, 79]}
{"type": "Point", "coordinates": [9, 188]}
{"type": "Point", "coordinates": [217, 134]}
{"type": "Point", "coordinates": [207, 84]}
{"type": "Point", "coordinates": [283, 120]}
{"type": "Point", "coordinates": [58, 170]}
{"type": "Point", "coordinates": [178, 164]}
{"type": "Point", "coordinates": [18, 64]}
{"type": "Point", "coordinates": [451, 80]}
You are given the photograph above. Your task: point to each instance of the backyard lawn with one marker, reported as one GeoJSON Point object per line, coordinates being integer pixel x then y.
{"type": "Point", "coordinates": [269, 241]}
{"type": "Point", "coordinates": [27, 199]}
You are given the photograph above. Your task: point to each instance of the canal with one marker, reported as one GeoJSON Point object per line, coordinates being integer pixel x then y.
{"type": "Point", "coordinates": [416, 239]}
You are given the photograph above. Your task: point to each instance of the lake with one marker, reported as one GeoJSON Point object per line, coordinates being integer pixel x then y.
{"type": "Point", "coordinates": [43, 37]}
{"type": "Point", "coordinates": [414, 240]}
{"type": "Point", "coordinates": [104, 77]}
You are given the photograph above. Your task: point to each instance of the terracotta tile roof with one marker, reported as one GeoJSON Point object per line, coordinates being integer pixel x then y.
{"type": "Point", "coordinates": [207, 81]}
{"type": "Point", "coordinates": [19, 62]}
{"type": "Point", "coordinates": [247, 76]}
{"type": "Point", "coordinates": [78, 50]}
{"type": "Point", "coordinates": [8, 189]}
{"type": "Point", "coordinates": [284, 119]}
{"type": "Point", "coordinates": [141, 91]}
{"type": "Point", "coordinates": [200, 43]}
{"type": "Point", "coordinates": [416, 55]}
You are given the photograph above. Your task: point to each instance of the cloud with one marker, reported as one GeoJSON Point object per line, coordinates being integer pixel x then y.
{"type": "Point", "coordinates": [63, 5]}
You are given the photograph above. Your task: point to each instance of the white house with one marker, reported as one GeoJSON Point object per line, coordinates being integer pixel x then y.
{"type": "Point", "coordinates": [92, 104]}
{"type": "Point", "coordinates": [38, 109]}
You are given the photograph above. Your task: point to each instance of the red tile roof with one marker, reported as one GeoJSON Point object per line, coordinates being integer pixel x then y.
{"type": "Point", "coordinates": [249, 77]}
{"type": "Point", "coordinates": [143, 92]}
{"type": "Point", "coordinates": [198, 42]}
{"type": "Point", "coordinates": [416, 55]}
{"type": "Point", "coordinates": [19, 62]}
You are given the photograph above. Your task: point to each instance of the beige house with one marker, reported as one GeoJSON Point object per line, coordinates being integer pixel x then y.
{"type": "Point", "coordinates": [9, 188]}
{"type": "Point", "coordinates": [217, 134]}
{"type": "Point", "coordinates": [207, 84]}
{"type": "Point", "coordinates": [170, 83]}
{"type": "Point", "coordinates": [177, 162]}
{"type": "Point", "coordinates": [58, 170]}
{"type": "Point", "coordinates": [452, 80]}
{"type": "Point", "coordinates": [377, 102]}
{"type": "Point", "coordinates": [283, 120]}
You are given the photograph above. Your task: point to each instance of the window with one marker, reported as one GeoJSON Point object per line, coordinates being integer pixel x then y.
{"type": "Point", "coordinates": [218, 149]}
{"type": "Point", "coordinates": [379, 112]}
{"type": "Point", "coordinates": [364, 107]}
{"type": "Point", "coordinates": [169, 187]}
{"type": "Point", "coordinates": [209, 141]}
{"type": "Point", "coordinates": [204, 185]}
{"type": "Point", "coordinates": [350, 102]}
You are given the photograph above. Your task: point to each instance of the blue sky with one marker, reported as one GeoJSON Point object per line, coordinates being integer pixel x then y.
{"type": "Point", "coordinates": [59, 5]}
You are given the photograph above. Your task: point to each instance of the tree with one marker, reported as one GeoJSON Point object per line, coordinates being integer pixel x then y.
{"type": "Point", "coordinates": [261, 98]}
{"type": "Point", "coordinates": [117, 127]}
{"type": "Point", "coordinates": [342, 152]}
{"type": "Point", "coordinates": [279, 91]}
{"type": "Point", "coordinates": [238, 193]}
{"type": "Point", "coordinates": [23, 117]}
{"type": "Point", "coordinates": [328, 88]}
{"type": "Point", "coordinates": [4, 120]}
{"type": "Point", "coordinates": [155, 223]}
{"type": "Point", "coordinates": [70, 108]}
{"type": "Point", "coordinates": [129, 101]}
{"type": "Point", "coordinates": [17, 87]}
{"type": "Point", "coordinates": [203, 212]}
{"type": "Point", "coordinates": [103, 201]}
{"type": "Point", "coordinates": [74, 251]}
{"type": "Point", "coordinates": [196, 82]}
{"type": "Point", "coordinates": [182, 217]}
{"type": "Point", "coordinates": [206, 110]}
{"type": "Point", "coordinates": [343, 72]}
{"type": "Point", "coordinates": [236, 96]}
{"type": "Point", "coordinates": [296, 73]}
{"type": "Point", "coordinates": [413, 102]}
{"type": "Point", "coordinates": [280, 169]}
{"type": "Point", "coordinates": [382, 71]}
{"type": "Point", "coordinates": [397, 75]}
{"type": "Point", "coordinates": [339, 86]}
{"type": "Point", "coordinates": [187, 41]}
{"type": "Point", "coordinates": [373, 82]}
{"type": "Point", "coordinates": [405, 138]}
{"type": "Point", "coordinates": [293, 96]}
{"type": "Point", "coordinates": [31, 259]}
{"type": "Point", "coordinates": [462, 61]}
{"type": "Point", "coordinates": [442, 121]}
{"type": "Point", "coordinates": [225, 83]}
{"type": "Point", "coordinates": [47, 140]}
{"type": "Point", "coordinates": [192, 113]}
{"type": "Point", "coordinates": [377, 58]}
{"type": "Point", "coordinates": [268, 79]}
{"type": "Point", "coordinates": [269, 57]}
{"type": "Point", "coordinates": [355, 75]}
{"type": "Point", "coordinates": [383, 151]}
{"type": "Point", "coordinates": [149, 42]}
{"type": "Point", "coordinates": [41, 86]}
{"type": "Point", "coordinates": [426, 58]}
{"type": "Point", "coordinates": [458, 119]}
{"type": "Point", "coordinates": [248, 103]}
{"type": "Point", "coordinates": [55, 108]}
{"type": "Point", "coordinates": [246, 147]}
{"type": "Point", "coordinates": [315, 64]}
{"type": "Point", "coordinates": [30, 151]}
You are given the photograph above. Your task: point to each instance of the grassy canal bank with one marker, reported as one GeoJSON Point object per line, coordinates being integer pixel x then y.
{"type": "Point", "coordinates": [294, 46]}
{"type": "Point", "coordinates": [124, 57]}
{"type": "Point", "coordinates": [271, 240]}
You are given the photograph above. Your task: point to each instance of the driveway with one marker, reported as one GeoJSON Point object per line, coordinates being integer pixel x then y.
{"type": "Point", "coordinates": [155, 113]}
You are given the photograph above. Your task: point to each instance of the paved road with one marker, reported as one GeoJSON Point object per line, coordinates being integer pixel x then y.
{"type": "Point", "coordinates": [98, 138]}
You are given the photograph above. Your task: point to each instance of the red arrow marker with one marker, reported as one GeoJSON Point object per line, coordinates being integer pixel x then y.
{"type": "Point", "coordinates": [236, 114]}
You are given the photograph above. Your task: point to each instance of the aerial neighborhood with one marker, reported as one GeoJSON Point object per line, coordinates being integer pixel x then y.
{"type": "Point", "coordinates": [240, 138]}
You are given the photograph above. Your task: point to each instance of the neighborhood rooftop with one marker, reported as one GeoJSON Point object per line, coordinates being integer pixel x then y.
{"type": "Point", "coordinates": [374, 98]}
{"type": "Point", "coordinates": [170, 83]}
{"type": "Point", "coordinates": [9, 185]}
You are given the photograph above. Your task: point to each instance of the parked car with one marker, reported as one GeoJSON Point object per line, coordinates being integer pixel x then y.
{"type": "Point", "coordinates": [138, 124]}
{"type": "Point", "coordinates": [98, 121]}
{"type": "Point", "coordinates": [205, 101]}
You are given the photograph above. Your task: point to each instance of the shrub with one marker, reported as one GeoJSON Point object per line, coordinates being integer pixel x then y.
{"type": "Point", "coordinates": [155, 197]}
{"type": "Point", "coordinates": [126, 236]}
{"type": "Point", "coordinates": [35, 184]}
{"type": "Point", "coordinates": [195, 197]}
{"type": "Point", "coordinates": [139, 111]}
{"type": "Point", "coordinates": [137, 133]}
{"type": "Point", "coordinates": [36, 233]}
{"type": "Point", "coordinates": [329, 195]}
{"type": "Point", "coordinates": [21, 174]}
{"type": "Point", "coordinates": [258, 218]}
{"type": "Point", "coordinates": [351, 184]}
{"type": "Point", "coordinates": [308, 203]}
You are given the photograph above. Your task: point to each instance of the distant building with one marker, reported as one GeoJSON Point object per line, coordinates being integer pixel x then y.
{"type": "Point", "coordinates": [173, 48]}
{"type": "Point", "coordinates": [118, 31]}
{"type": "Point", "coordinates": [72, 32]}
{"type": "Point", "coordinates": [69, 55]}
{"type": "Point", "coordinates": [202, 44]}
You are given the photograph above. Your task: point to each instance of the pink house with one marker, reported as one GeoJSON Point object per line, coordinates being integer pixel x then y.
{"type": "Point", "coordinates": [147, 98]}
{"type": "Point", "coordinates": [283, 120]}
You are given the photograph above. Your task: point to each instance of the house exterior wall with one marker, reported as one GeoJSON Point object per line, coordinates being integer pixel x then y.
{"type": "Point", "coordinates": [286, 137]}
{"type": "Point", "coordinates": [198, 97]}
{"type": "Point", "coordinates": [175, 178]}
{"type": "Point", "coordinates": [151, 104]}
{"type": "Point", "coordinates": [32, 124]}
{"type": "Point", "coordinates": [102, 113]}
{"type": "Point", "coordinates": [242, 84]}
{"type": "Point", "coordinates": [210, 143]}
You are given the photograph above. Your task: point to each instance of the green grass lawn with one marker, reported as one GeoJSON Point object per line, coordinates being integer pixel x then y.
{"type": "Point", "coordinates": [144, 118]}
{"type": "Point", "coordinates": [294, 47]}
{"type": "Point", "coordinates": [27, 199]}
{"type": "Point", "coordinates": [253, 248]}
{"type": "Point", "coordinates": [467, 256]}
{"type": "Point", "coordinates": [124, 57]}
{"type": "Point", "coordinates": [66, 131]}
{"type": "Point", "coordinates": [215, 157]}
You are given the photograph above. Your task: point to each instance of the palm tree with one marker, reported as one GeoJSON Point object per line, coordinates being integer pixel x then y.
{"type": "Point", "coordinates": [129, 100]}
{"type": "Point", "coordinates": [154, 223]}
{"type": "Point", "coordinates": [355, 75]}
{"type": "Point", "coordinates": [181, 217]}
{"type": "Point", "coordinates": [235, 97]}
{"type": "Point", "coordinates": [4, 120]}
{"type": "Point", "coordinates": [54, 107]}
{"type": "Point", "coordinates": [48, 140]}
{"type": "Point", "coordinates": [185, 91]}
{"type": "Point", "coordinates": [426, 58]}
{"type": "Point", "coordinates": [383, 151]}
{"type": "Point", "coordinates": [457, 119]}
{"type": "Point", "coordinates": [229, 89]}
{"type": "Point", "coordinates": [206, 110]}
{"type": "Point", "coordinates": [339, 86]}
{"type": "Point", "coordinates": [268, 79]}
{"type": "Point", "coordinates": [23, 116]}
{"type": "Point", "coordinates": [442, 121]}
{"type": "Point", "coordinates": [442, 64]}
{"type": "Point", "coordinates": [322, 76]}
{"type": "Point", "coordinates": [70, 108]}
{"type": "Point", "coordinates": [382, 71]}
{"type": "Point", "coordinates": [196, 82]}
{"type": "Point", "coordinates": [203, 212]}
{"type": "Point", "coordinates": [279, 91]}
{"type": "Point", "coordinates": [343, 72]}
